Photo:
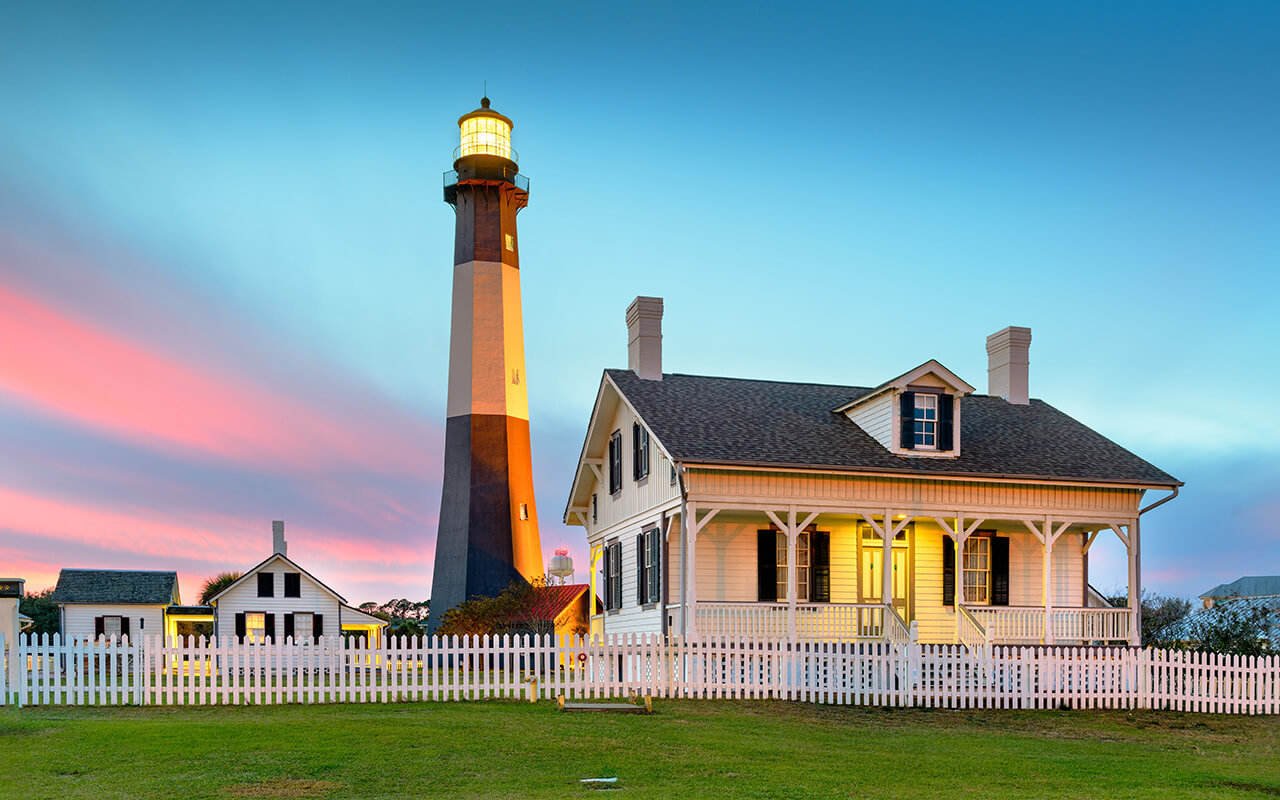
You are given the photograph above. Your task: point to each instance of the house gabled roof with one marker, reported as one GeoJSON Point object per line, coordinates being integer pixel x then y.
{"type": "Point", "coordinates": [1249, 586]}
{"type": "Point", "coordinates": [709, 421]}
{"type": "Point", "coordinates": [258, 567]}
{"type": "Point", "coordinates": [115, 587]}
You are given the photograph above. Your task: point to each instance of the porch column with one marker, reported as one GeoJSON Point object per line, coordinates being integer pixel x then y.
{"type": "Point", "coordinates": [1135, 586]}
{"type": "Point", "coordinates": [689, 575]}
{"type": "Point", "coordinates": [886, 577]}
{"type": "Point", "coordinates": [792, 536]}
{"type": "Point", "coordinates": [1047, 588]}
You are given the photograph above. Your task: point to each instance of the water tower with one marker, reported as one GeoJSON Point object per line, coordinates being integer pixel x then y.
{"type": "Point", "coordinates": [561, 567]}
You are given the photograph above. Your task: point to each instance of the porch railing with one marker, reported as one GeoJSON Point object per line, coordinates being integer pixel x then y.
{"type": "Point", "coordinates": [971, 633]}
{"type": "Point", "coordinates": [1066, 625]}
{"type": "Point", "coordinates": [825, 621]}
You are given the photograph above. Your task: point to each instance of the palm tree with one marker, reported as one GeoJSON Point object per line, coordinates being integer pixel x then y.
{"type": "Point", "coordinates": [216, 584]}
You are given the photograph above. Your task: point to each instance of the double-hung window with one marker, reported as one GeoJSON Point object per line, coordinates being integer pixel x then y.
{"type": "Point", "coordinates": [802, 567]}
{"type": "Point", "coordinates": [650, 554]}
{"type": "Point", "coordinates": [977, 570]}
{"type": "Point", "coordinates": [111, 626]}
{"type": "Point", "coordinates": [255, 626]}
{"type": "Point", "coordinates": [303, 627]}
{"type": "Point", "coordinates": [925, 421]}
{"type": "Point", "coordinates": [615, 462]}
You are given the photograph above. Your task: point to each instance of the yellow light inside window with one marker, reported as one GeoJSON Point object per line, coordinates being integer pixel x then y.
{"type": "Point", "coordinates": [486, 136]}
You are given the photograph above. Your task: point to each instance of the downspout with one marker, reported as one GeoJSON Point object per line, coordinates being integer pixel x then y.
{"type": "Point", "coordinates": [1160, 502]}
{"type": "Point", "coordinates": [684, 551]}
{"type": "Point", "coordinates": [1138, 568]}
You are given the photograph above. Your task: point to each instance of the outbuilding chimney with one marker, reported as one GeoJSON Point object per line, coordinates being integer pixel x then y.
{"type": "Point", "coordinates": [277, 538]}
{"type": "Point", "coordinates": [644, 337]}
{"type": "Point", "coordinates": [1007, 362]}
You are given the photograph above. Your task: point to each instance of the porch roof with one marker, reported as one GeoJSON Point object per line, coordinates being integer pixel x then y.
{"type": "Point", "coordinates": [735, 421]}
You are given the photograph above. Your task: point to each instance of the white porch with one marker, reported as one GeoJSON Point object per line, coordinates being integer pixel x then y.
{"type": "Point", "coordinates": [1046, 562]}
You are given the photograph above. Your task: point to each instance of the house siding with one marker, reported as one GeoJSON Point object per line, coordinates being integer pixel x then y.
{"type": "Point", "coordinates": [876, 418]}
{"type": "Point", "coordinates": [876, 492]}
{"type": "Point", "coordinates": [77, 621]}
{"type": "Point", "coordinates": [243, 597]}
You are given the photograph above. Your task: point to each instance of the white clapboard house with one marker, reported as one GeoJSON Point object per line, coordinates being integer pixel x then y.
{"type": "Point", "coordinates": [113, 602]}
{"type": "Point", "coordinates": [277, 599]}
{"type": "Point", "coordinates": [726, 507]}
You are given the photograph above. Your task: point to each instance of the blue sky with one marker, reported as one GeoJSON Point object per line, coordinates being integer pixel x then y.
{"type": "Point", "coordinates": [245, 203]}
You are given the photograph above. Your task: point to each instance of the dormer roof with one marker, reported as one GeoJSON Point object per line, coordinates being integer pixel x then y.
{"type": "Point", "coordinates": [906, 379]}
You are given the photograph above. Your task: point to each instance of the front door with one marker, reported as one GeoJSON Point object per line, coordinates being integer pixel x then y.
{"type": "Point", "coordinates": [871, 579]}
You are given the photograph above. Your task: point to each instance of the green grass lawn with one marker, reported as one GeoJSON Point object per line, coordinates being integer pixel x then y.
{"type": "Point", "coordinates": [705, 749]}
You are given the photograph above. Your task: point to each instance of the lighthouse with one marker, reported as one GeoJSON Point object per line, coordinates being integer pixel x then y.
{"type": "Point", "coordinates": [488, 530]}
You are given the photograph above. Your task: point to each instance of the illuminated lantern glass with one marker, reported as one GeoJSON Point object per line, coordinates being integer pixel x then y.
{"type": "Point", "coordinates": [489, 136]}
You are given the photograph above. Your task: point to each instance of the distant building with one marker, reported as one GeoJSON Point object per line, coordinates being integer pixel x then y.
{"type": "Point", "coordinates": [113, 602]}
{"type": "Point", "coordinates": [1250, 586]}
{"type": "Point", "coordinates": [278, 600]}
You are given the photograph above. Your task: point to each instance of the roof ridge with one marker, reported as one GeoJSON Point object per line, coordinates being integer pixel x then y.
{"type": "Point", "coordinates": [753, 380]}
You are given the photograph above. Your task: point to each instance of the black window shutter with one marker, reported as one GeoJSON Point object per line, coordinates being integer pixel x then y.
{"type": "Point", "coordinates": [641, 583]}
{"type": "Point", "coordinates": [617, 574]}
{"type": "Point", "coordinates": [635, 450]}
{"type": "Point", "coordinates": [269, 627]}
{"type": "Point", "coordinates": [124, 626]}
{"type": "Point", "coordinates": [288, 626]}
{"type": "Point", "coordinates": [655, 568]}
{"type": "Point", "coordinates": [292, 584]}
{"type": "Point", "coordinates": [907, 421]}
{"type": "Point", "coordinates": [946, 414]}
{"type": "Point", "coordinates": [608, 577]}
{"type": "Point", "coordinates": [317, 626]}
{"type": "Point", "coordinates": [98, 628]}
{"type": "Point", "coordinates": [240, 627]}
{"type": "Point", "coordinates": [820, 567]}
{"type": "Point", "coordinates": [999, 571]}
{"type": "Point", "coordinates": [644, 452]}
{"type": "Point", "coordinates": [266, 584]}
{"type": "Point", "coordinates": [767, 565]}
{"type": "Point", "coordinates": [948, 571]}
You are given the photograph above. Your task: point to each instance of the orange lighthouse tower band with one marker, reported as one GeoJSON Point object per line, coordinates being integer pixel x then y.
{"type": "Point", "coordinates": [488, 533]}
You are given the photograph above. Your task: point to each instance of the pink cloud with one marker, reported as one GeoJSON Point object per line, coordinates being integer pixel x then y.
{"type": "Point", "coordinates": [61, 366]}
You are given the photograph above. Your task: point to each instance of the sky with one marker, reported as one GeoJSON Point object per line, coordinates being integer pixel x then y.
{"type": "Point", "coordinates": [225, 260]}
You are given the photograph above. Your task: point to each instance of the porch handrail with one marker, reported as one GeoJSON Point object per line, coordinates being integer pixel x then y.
{"type": "Point", "coordinates": [971, 632]}
{"type": "Point", "coordinates": [1062, 625]}
{"type": "Point", "coordinates": [897, 630]}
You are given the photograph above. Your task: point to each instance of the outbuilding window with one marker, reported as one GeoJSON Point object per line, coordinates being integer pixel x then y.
{"type": "Point", "coordinates": [111, 626]}
{"type": "Point", "coordinates": [255, 626]}
{"type": "Point", "coordinates": [303, 627]}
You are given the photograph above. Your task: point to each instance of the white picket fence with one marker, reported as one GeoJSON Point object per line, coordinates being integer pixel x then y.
{"type": "Point", "coordinates": [45, 670]}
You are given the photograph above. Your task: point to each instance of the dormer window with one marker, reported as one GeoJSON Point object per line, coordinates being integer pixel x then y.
{"type": "Point", "coordinates": [926, 421]}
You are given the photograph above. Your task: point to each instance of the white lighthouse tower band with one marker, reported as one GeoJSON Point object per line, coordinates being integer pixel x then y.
{"type": "Point", "coordinates": [488, 534]}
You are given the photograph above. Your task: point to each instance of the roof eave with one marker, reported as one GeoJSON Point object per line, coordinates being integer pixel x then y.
{"type": "Point", "coordinates": [694, 464]}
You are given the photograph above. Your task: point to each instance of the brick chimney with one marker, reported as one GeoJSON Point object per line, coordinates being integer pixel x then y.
{"type": "Point", "coordinates": [1007, 362]}
{"type": "Point", "coordinates": [277, 538]}
{"type": "Point", "coordinates": [644, 337]}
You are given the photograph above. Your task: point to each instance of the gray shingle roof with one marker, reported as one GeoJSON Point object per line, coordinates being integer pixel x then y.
{"type": "Point", "coordinates": [736, 421]}
{"type": "Point", "coordinates": [122, 586]}
{"type": "Point", "coordinates": [1249, 586]}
